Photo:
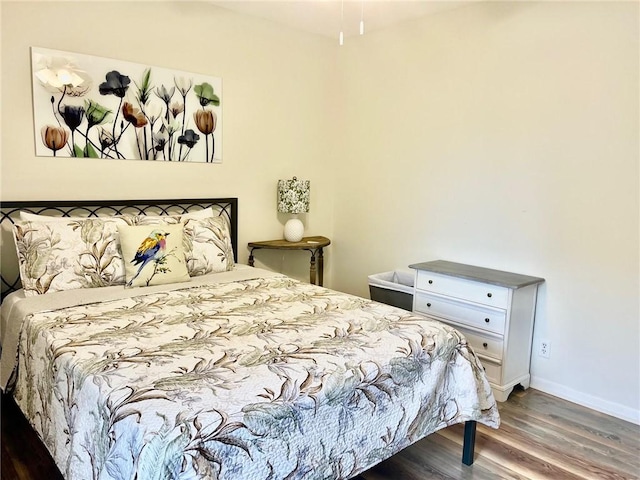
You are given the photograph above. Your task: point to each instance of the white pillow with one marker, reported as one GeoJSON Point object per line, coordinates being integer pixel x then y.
{"type": "Point", "coordinates": [65, 255]}
{"type": "Point", "coordinates": [153, 254]}
{"type": "Point", "coordinates": [208, 247]}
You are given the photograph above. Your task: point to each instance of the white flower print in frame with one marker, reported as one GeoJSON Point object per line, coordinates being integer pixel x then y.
{"type": "Point", "coordinates": [95, 107]}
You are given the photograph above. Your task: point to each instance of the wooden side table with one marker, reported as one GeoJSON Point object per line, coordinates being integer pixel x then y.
{"type": "Point", "coordinates": [311, 244]}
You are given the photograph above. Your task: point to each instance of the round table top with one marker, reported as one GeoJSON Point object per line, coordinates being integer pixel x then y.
{"type": "Point", "coordinates": [304, 244]}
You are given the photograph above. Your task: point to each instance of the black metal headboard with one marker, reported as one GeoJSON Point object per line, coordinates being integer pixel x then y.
{"type": "Point", "coordinates": [10, 212]}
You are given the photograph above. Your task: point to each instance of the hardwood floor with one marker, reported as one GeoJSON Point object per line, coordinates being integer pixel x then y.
{"type": "Point", "coordinates": [23, 455]}
{"type": "Point", "coordinates": [540, 437]}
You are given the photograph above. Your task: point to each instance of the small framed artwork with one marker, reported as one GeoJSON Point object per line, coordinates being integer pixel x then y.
{"type": "Point", "coordinates": [94, 107]}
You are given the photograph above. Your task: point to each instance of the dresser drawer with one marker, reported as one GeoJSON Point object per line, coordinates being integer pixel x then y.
{"type": "Point", "coordinates": [489, 319]}
{"type": "Point", "coordinates": [492, 370]}
{"type": "Point", "coordinates": [478, 292]}
{"type": "Point", "coordinates": [484, 345]}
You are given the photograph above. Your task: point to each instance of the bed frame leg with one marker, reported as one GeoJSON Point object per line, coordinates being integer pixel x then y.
{"type": "Point", "coordinates": [469, 442]}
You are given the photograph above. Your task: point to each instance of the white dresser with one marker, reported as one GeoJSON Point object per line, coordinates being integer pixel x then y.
{"type": "Point", "coordinates": [495, 311]}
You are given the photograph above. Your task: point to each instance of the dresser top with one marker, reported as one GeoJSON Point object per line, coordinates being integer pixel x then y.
{"type": "Point", "coordinates": [478, 274]}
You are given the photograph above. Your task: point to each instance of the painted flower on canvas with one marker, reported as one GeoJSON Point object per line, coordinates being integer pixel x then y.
{"type": "Point", "coordinates": [93, 107]}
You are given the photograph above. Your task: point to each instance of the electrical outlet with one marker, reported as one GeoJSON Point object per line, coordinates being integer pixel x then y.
{"type": "Point", "coordinates": [545, 348]}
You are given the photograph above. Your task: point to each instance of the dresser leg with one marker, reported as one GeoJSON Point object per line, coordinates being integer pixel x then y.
{"type": "Point", "coordinates": [501, 395]}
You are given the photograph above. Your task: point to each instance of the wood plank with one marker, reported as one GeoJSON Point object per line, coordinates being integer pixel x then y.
{"type": "Point", "coordinates": [8, 470]}
{"type": "Point", "coordinates": [478, 274]}
{"type": "Point", "coordinates": [563, 459]}
{"type": "Point", "coordinates": [582, 448]}
{"type": "Point", "coordinates": [609, 429]}
{"type": "Point", "coordinates": [24, 456]}
{"type": "Point", "coordinates": [523, 462]}
{"type": "Point", "coordinates": [626, 443]}
{"type": "Point", "coordinates": [444, 454]}
{"type": "Point", "coordinates": [541, 437]}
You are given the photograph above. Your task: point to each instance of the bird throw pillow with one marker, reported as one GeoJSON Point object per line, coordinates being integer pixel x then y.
{"type": "Point", "coordinates": [153, 254]}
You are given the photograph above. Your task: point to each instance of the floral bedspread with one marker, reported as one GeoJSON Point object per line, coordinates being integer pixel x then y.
{"type": "Point", "coordinates": [267, 378]}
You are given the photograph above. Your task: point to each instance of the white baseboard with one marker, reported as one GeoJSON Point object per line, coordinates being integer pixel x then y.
{"type": "Point", "coordinates": [610, 408]}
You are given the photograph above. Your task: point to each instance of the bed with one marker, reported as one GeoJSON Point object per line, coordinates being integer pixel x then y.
{"type": "Point", "coordinates": [230, 373]}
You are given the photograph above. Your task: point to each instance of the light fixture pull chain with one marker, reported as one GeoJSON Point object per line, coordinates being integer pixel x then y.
{"type": "Point", "coordinates": [362, 17]}
{"type": "Point", "coordinates": [342, 23]}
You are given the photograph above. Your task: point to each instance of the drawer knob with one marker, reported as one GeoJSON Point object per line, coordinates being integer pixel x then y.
{"type": "Point", "coordinates": [485, 344]}
{"type": "Point", "coordinates": [430, 282]}
{"type": "Point", "coordinates": [428, 304]}
{"type": "Point", "coordinates": [489, 295]}
{"type": "Point", "coordinates": [487, 320]}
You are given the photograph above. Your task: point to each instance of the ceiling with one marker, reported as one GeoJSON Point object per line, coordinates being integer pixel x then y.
{"type": "Point", "coordinates": [324, 17]}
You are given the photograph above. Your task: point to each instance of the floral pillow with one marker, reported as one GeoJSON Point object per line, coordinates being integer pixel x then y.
{"type": "Point", "coordinates": [208, 247]}
{"type": "Point", "coordinates": [77, 253]}
{"type": "Point", "coordinates": [153, 254]}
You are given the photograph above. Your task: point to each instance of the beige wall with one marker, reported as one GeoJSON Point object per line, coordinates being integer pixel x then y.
{"type": "Point", "coordinates": [276, 121]}
{"type": "Point", "coordinates": [506, 135]}
{"type": "Point", "coordinates": [500, 134]}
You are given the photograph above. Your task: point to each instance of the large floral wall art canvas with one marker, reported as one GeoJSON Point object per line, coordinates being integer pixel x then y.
{"type": "Point", "coordinates": [94, 107]}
